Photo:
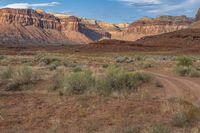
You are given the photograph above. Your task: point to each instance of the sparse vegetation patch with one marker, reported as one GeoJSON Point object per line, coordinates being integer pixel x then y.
{"type": "Point", "coordinates": [185, 67]}
{"type": "Point", "coordinates": [158, 128]}
{"type": "Point", "coordinates": [18, 77]}
{"type": "Point", "coordinates": [113, 80]}
{"type": "Point", "coordinates": [7, 73]}
{"type": "Point", "coordinates": [117, 79]}
{"type": "Point", "coordinates": [123, 59]}
{"type": "Point", "coordinates": [73, 83]}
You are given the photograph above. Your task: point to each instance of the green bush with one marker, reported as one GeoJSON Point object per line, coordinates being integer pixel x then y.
{"type": "Point", "coordinates": [121, 59]}
{"type": "Point", "coordinates": [54, 65]}
{"type": "Point", "coordinates": [185, 67]}
{"type": "Point", "coordinates": [21, 76]}
{"type": "Point", "coordinates": [179, 119]}
{"type": "Point", "coordinates": [147, 65]}
{"type": "Point", "coordinates": [187, 112]}
{"type": "Point", "coordinates": [194, 73]}
{"type": "Point", "coordinates": [7, 73]}
{"type": "Point", "coordinates": [49, 60]}
{"type": "Point", "coordinates": [193, 114]}
{"type": "Point", "coordinates": [68, 63]}
{"type": "Point", "coordinates": [183, 70]}
{"type": "Point", "coordinates": [158, 128]}
{"type": "Point", "coordinates": [78, 82]}
{"type": "Point", "coordinates": [185, 61]}
{"type": "Point", "coordinates": [116, 79]}
{"type": "Point", "coordinates": [77, 69]}
{"type": "Point", "coordinates": [105, 65]}
{"type": "Point", "coordinates": [58, 81]}
{"type": "Point", "coordinates": [2, 57]}
{"type": "Point", "coordinates": [136, 129]}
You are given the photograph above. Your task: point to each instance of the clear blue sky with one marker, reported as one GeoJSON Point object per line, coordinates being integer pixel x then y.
{"type": "Point", "coordinates": [115, 11]}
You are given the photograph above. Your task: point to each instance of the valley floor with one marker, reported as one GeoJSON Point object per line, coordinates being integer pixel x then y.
{"type": "Point", "coordinates": [167, 103]}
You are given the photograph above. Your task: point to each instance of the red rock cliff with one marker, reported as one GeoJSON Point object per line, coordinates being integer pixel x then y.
{"type": "Point", "coordinates": [159, 25]}
{"type": "Point", "coordinates": [27, 17]}
{"type": "Point", "coordinates": [198, 15]}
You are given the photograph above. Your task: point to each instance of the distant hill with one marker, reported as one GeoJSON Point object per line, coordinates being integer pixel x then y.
{"type": "Point", "coordinates": [181, 38]}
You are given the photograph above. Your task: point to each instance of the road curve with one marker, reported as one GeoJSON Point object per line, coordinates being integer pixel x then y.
{"type": "Point", "coordinates": [179, 87]}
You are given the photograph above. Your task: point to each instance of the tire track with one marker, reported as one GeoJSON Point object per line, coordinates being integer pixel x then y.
{"type": "Point", "coordinates": [179, 87]}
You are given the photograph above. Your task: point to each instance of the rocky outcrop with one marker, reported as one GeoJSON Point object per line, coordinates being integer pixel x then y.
{"type": "Point", "coordinates": [198, 15]}
{"type": "Point", "coordinates": [183, 38]}
{"type": "Point", "coordinates": [196, 24]}
{"type": "Point", "coordinates": [36, 26]}
{"type": "Point", "coordinates": [159, 25]}
{"type": "Point", "coordinates": [30, 27]}
{"type": "Point", "coordinates": [154, 26]}
{"type": "Point", "coordinates": [82, 30]}
{"type": "Point", "coordinates": [27, 17]}
{"type": "Point", "coordinates": [60, 15]}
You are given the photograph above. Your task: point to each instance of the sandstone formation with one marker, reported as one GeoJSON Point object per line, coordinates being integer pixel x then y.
{"type": "Point", "coordinates": [153, 26]}
{"type": "Point", "coordinates": [28, 26]}
{"type": "Point", "coordinates": [187, 38]}
{"type": "Point", "coordinates": [196, 24]}
{"type": "Point", "coordinates": [198, 15]}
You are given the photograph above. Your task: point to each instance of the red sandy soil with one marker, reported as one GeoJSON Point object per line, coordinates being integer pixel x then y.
{"type": "Point", "coordinates": [39, 112]}
{"type": "Point", "coordinates": [25, 112]}
{"type": "Point", "coordinates": [102, 47]}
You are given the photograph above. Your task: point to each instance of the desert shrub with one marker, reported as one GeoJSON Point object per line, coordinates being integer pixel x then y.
{"type": "Point", "coordinates": [21, 76]}
{"type": "Point", "coordinates": [158, 128]}
{"type": "Point", "coordinates": [184, 67]}
{"type": "Point", "coordinates": [7, 73]}
{"type": "Point", "coordinates": [121, 59]}
{"type": "Point", "coordinates": [116, 79]}
{"type": "Point", "coordinates": [26, 61]}
{"type": "Point", "coordinates": [78, 82]}
{"type": "Point", "coordinates": [68, 63]}
{"type": "Point", "coordinates": [77, 69]}
{"type": "Point", "coordinates": [54, 65]}
{"type": "Point", "coordinates": [183, 112]}
{"type": "Point", "coordinates": [194, 73]}
{"type": "Point", "coordinates": [183, 70]}
{"type": "Point", "coordinates": [193, 114]}
{"type": "Point", "coordinates": [184, 61]}
{"type": "Point", "coordinates": [179, 119]}
{"type": "Point", "coordinates": [57, 82]}
{"type": "Point", "coordinates": [105, 65]}
{"type": "Point", "coordinates": [129, 60]}
{"type": "Point", "coordinates": [138, 58]}
{"type": "Point", "coordinates": [39, 57]}
{"type": "Point", "coordinates": [48, 61]}
{"type": "Point", "coordinates": [2, 57]}
{"type": "Point", "coordinates": [135, 129]}
{"type": "Point", "coordinates": [73, 83]}
{"type": "Point", "coordinates": [147, 65]}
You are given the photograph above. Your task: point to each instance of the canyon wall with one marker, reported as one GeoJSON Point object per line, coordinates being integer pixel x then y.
{"type": "Point", "coordinates": [28, 26]}
{"type": "Point", "coordinates": [153, 26]}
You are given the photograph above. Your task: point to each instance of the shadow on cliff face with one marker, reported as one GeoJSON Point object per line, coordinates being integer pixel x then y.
{"type": "Point", "coordinates": [92, 34]}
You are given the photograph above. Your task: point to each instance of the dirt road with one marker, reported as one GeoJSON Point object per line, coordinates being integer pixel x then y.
{"type": "Point", "coordinates": [179, 87]}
